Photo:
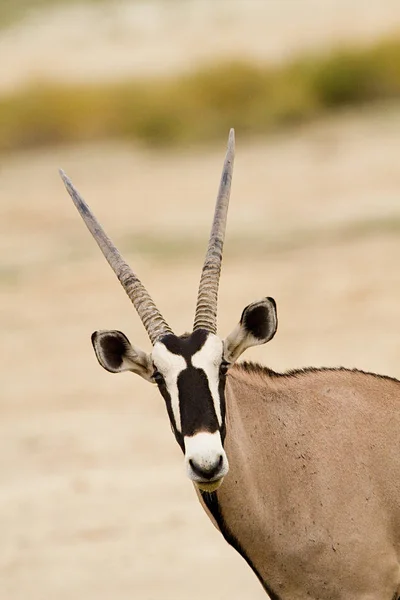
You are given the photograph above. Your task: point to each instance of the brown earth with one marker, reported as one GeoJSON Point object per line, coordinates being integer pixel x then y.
{"type": "Point", "coordinates": [94, 502]}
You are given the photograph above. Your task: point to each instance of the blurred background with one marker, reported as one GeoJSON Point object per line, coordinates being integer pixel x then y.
{"type": "Point", "coordinates": [134, 100]}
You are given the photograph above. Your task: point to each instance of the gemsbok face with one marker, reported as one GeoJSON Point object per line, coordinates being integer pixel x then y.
{"type": "Point", "coordinates": [189, 370]}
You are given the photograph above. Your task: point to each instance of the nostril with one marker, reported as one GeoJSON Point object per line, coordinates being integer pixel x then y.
{"type": "Point", "coordinates": [210, 470]}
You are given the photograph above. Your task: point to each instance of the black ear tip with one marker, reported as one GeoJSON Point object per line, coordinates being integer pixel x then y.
{"type": "Point", "coordinates": [93, 337]}
{"type": "Point", "coordinates": [272, 301]}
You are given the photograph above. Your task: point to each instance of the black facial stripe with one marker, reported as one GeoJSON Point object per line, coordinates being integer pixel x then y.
{"type": "Point", "coordinates": [196, 403]}
{"type": "Point", "coordinates": [186, 346]}
{"type": "Point", "coordinates": [178, 435]}
{"type": "Point", "coordinates": [221, 392]}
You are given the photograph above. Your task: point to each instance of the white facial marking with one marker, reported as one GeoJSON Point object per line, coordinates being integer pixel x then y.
{"type": "Point", "coordinates": [170, 365]}
{"type": "Point", "coordinates": [209, 358]}
{"type": "Point", "coordinates": [205, 450]}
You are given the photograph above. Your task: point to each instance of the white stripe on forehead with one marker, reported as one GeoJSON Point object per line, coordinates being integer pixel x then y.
{"type": "Point", "coordinates": [209, 358]}
{"type": "Point", "coordinates": [170, 365]}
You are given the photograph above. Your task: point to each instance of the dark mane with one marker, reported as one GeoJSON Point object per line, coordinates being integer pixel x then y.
{"type": "Point", "coordinates": [256, 368]}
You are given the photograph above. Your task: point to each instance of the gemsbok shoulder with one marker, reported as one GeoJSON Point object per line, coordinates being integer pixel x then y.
{"type": "Point", "coordinates": [299, 471]}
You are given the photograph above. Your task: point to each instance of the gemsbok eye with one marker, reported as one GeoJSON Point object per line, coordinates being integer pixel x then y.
{"type": "Point", "coordinates": [158, 378]}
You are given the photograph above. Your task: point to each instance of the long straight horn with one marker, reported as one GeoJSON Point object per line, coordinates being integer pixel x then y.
{"type": "Point", "coordinates": [151, 318]}
{"type": "Point", "coordinates": [207, 298]}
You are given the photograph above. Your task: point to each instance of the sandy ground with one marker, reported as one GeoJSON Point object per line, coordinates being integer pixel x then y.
{"type": "Point", "coordinates": [94, 502]}
{"type": "Point", "coordinates": [154, 37]}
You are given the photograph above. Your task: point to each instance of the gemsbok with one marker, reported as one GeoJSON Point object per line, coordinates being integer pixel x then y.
{"type": "Point", "coordinates": [311, 494]}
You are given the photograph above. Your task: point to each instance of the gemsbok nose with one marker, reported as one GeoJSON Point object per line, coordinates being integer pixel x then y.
{"type": "Point", "coordinates": [209, 470]}
{"type": "Point", "coordinates": [205, 459]}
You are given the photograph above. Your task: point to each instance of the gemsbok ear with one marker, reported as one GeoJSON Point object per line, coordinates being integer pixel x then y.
{"type": "Point", "coordinates": [257, 325]}
{"type": "Point", "coordinates": [116, 354]}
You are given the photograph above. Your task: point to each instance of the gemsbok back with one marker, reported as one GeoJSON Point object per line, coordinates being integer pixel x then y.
{"type": "Point", "coordinates": [311, 494]}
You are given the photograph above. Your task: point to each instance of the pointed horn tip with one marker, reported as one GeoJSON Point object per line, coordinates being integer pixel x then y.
{"type": "Point", "coordinates": [231, 139]}
{"type": "Point", "coordinates": [73, 192]}
{"type": "Point", "coordinates": [66, 180]}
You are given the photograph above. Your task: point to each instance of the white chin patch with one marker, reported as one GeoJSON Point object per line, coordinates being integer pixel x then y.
{"type": "Point", "coordinates": [205, 460]}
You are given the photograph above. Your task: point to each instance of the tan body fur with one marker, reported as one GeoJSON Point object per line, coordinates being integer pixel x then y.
{"type": "Point", "coordinates": [313, 491]}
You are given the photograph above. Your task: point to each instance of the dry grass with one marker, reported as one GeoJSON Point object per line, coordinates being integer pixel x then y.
{"type": "Point", "coordinates": [13, 10]}
{"type": "Point", "coordinates": [201, 106]}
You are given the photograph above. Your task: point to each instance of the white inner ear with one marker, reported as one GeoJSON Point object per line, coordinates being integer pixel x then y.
{"type": "Point", "coordinates": [237, 342]}
{"type": "Point", "coordinates": [133, 358]}
{"type": "Point", "coordinates": [139, 362]}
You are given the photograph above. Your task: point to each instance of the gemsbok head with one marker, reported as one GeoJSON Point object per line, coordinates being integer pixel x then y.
{"type": "Point", "coordinates": [190, 370]}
